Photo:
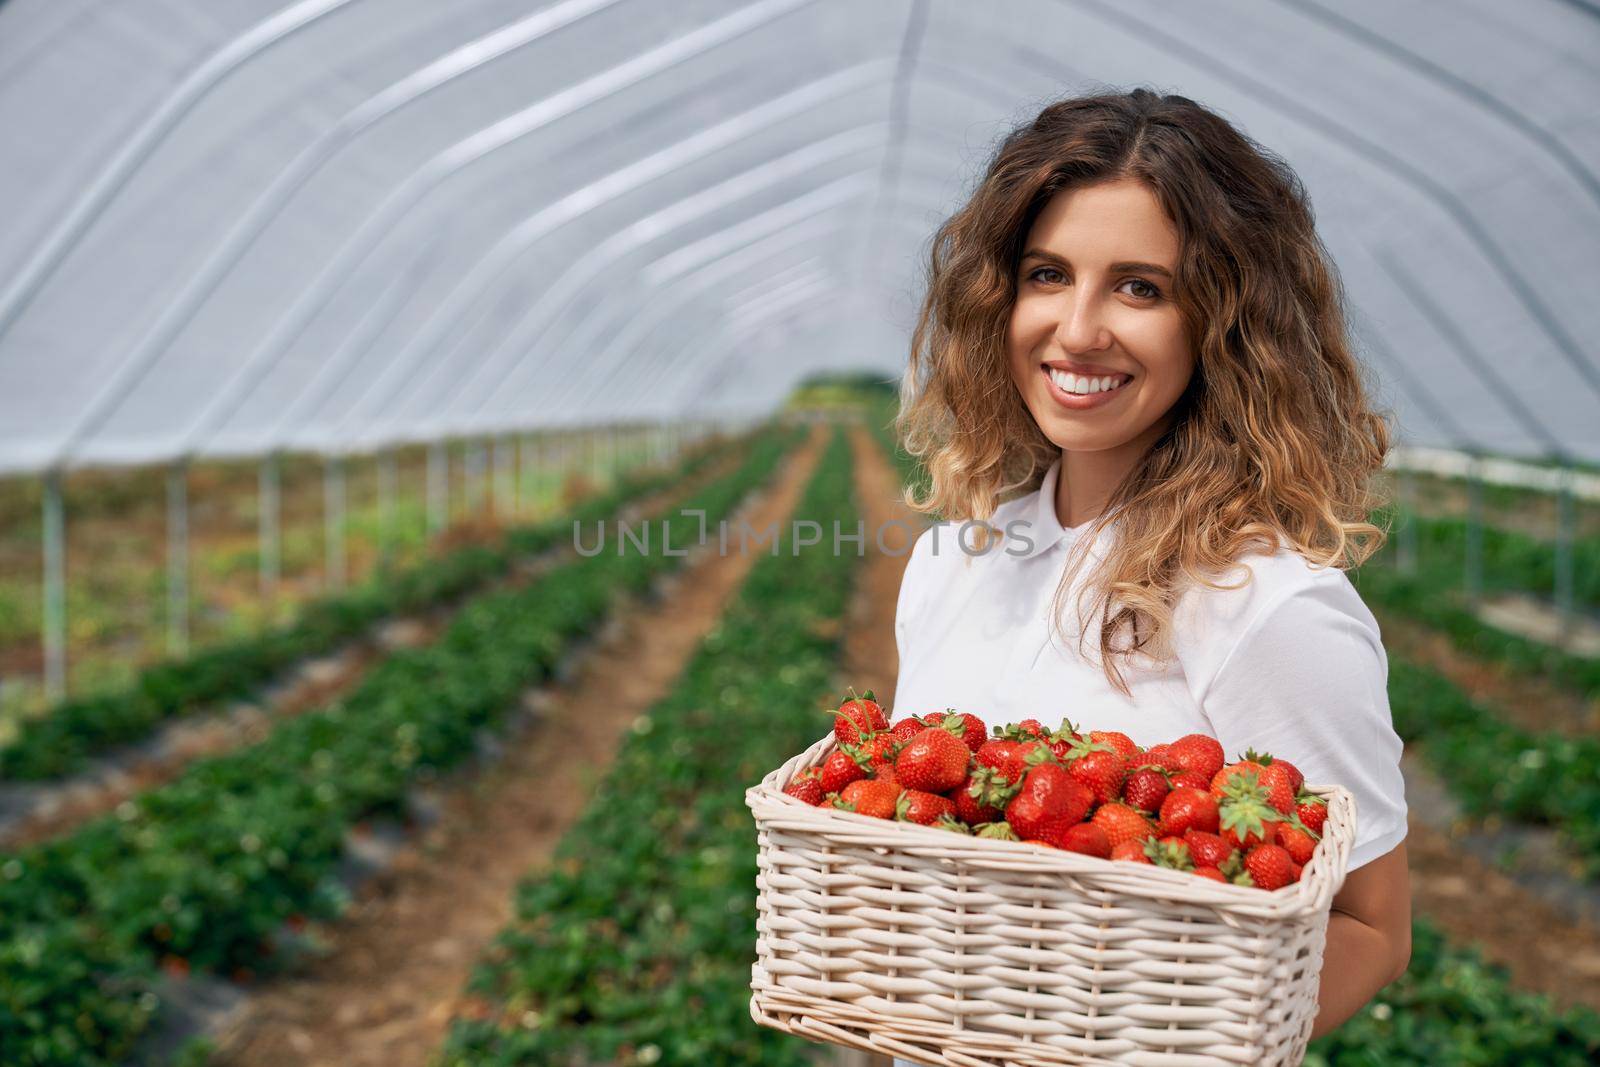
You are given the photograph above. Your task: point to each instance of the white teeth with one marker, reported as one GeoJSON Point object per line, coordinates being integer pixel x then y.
{"type": "Point", "coordinates": [1082, 386]}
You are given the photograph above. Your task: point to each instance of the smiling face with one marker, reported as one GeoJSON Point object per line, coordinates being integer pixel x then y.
{"type": "Point", "coordinates": [1095, 342]}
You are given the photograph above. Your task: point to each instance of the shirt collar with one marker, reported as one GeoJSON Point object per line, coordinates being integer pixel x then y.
{"type": "Point", "coordinates": [1044, 527]}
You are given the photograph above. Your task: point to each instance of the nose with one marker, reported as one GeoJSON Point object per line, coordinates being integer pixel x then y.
{"type": "Point", "coordinates": [1080, 322]}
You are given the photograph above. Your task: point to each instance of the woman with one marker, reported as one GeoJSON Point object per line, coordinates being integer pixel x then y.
{"type": "Point", "coordinates": [1133, 322]}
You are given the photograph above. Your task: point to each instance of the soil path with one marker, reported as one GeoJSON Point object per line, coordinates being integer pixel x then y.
{"type": "Point", "coordinates": [1475, 904]}
{"type": "Point", "coordinates": [399, 961]}
{"type": "Point", "coordinates": [1530, 702]}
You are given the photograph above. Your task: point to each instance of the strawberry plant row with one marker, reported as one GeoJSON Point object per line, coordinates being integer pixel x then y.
{"type": "Point", "coordinates": [1496, 768]}
{"type": "Point", "coordinates": [1512, 561]}
{"type": "Point", "coordinates": [636, 945]}
{"type": "Point", "coordinates": [1430, 596]}
{"type": "Point", "coordinates": [1450, 1007]}
{"type": "Point", "coordinates": [202, 872]}
{"type": "Point", "coordinates": [60, 741]}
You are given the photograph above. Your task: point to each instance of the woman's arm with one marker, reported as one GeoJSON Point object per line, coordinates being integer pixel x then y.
{"type": "Point", "coordinates": [1369, 938]}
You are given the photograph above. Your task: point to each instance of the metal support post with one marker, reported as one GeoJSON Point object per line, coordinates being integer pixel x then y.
{"type": "Point", "coordinates": [333, 519]}
{"type": "Point", "coordinates": [1406, 557]}
{"type": "Point", "coordinates": [178, 558]}
{"type": "Point", "coordinates": [505, 474]}
{"type": "Point", "coordinates": [475, 460]}
{"type": "Point", "coordinates": [54, 632]}
{"type": "Point", "coordinates": [388, 487]}
{"type": "Point", "coordinates": [1566, 535]}
{"type": "Point", "coordinates": [1474, 561]}
{"type": "Point", "coordinates": [438, 487]}
{"type": "Point", "coordinates": [527, 470]}
{"type": "Point", "coordinates": [268, 491]}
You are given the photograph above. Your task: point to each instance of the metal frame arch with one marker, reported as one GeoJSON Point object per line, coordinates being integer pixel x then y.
{"type": "Point", "coordinates": [1376, 154]}
{"type": "Point", "coordinates": [639, 318]}
{"type": "Point", "coordinates": [388, 387]}
{"type": "Point", "coordinates": [695, 280]}
{"type": "Point", "coordinates": [114, 176]}
{"type": "Point", "coordinates": [487, 365]}
{"type": "Point", "coordinates": [459, 61]}
{"type": "Point", "coordinates": [156, 340]}
{"type": "Point", "coordinates": [463, 153]}
{"type": "Point", "coordinates": [1478, 96]}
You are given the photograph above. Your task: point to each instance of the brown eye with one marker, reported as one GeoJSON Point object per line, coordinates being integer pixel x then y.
{"type": "Point", "coordinates": [1150, 295]}
{"type": "Point", "coordinates": [1044, 270]}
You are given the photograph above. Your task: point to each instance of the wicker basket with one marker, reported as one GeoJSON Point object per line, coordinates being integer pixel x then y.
{"type": "Point", "coordinates": [943, 948]}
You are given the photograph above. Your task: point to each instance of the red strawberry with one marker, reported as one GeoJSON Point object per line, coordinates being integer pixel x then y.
{"type": "Point", "coordinates": [969, 808]}
{"type": "Point", "coordinates": [1197, 753]}
{"type": "Point", "coordinates": [1281, 779]}
{"type": "Point", "coordinates": [1247, 820]}
{"type": "Point", "coordinates": [1191, 780]}
{"type": "Point", "coordinates": [1158, 755]}
{"type": "Point", "coordinates": [870, 796]}
{"type": "Point", "coordinates": [1122, 823]}
{"type": "Point", "coordinates": [1208, 850]}
{"type": "Point", "coordinates": [974, 733]}
{"type": "Point", "coordinates": [1099, 767]}
{"type": "Point", "coordinates": [1049, 801]}
{"type": "Point", "coordinates": [1008, 758]}
{"type": "Point", "coordinates": [1296, 779]}
{"type": "Point", "coordinates": [1169, 852]}
{"type": "Point", "coordinates": [1211, 873]}
{"type": "Point", "coordinates": [1295, 870]}
{"type": "Point", "coordinates": [1311, 810]}
{"type": "Point", "coordinates": [1132, 851]}
{"type": "Point", "coordinates": [876, 752]}
{"type": "Point", "coordinates": [838, 770]}
{"type": "Point", "coordinates": [935, 760]}
{"type": "Point", "coordinates": [1146, 788]}
{"type": "Point", "coordinates": [807, 787]}
{"type": "Point", "coordinates": [857, 716]}
{"type": "Point", "coordinates": [1026, 730]}
{"type": "Point", "coordinates": [1296, 840]}
{"type": "Point", "coordinates": [1274, 779]}
{"type": "Point", "coordinates": [1238, 769]}
{"type": "Point", "coordinates": [916, 806]}
{"type": "Point", "coordinates": [907, 728]}
{"type": "Point", "coordinates": [1270, 867]}
{"type": "Point", "coordinates": [1120, 743]}
{"type": "Point", "coordinates": [1188, 809]}
{"type": "Point", "coordinates": [1087, 838]}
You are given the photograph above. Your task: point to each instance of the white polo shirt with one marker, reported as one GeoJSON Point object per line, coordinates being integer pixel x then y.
{"type": "Point", "coordinates": [1291, 663]}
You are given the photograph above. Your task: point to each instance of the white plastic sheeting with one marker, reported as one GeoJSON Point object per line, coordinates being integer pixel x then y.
{"type": "Point", "coordinates": [240, 225]}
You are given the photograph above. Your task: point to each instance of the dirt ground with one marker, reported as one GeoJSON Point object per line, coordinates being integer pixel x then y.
{"type": "Point", "coordinates": [1474, 903]}
{"type": "Point", "coordinates": [400, 959]}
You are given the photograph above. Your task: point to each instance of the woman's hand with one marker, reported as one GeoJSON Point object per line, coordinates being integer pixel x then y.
{"type": "Point", "coordinates": [1369, 938]}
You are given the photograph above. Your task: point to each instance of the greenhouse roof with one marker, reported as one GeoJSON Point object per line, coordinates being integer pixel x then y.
{"type": "Point", "coordinates": [236, 226]}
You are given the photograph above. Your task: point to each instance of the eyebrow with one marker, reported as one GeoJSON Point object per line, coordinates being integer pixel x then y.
{"type": "Point", "coordinates": [1116, 268]}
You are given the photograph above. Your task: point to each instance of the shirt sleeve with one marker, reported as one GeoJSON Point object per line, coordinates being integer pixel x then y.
{"type": "Point", "coordinates": [1308, 680]}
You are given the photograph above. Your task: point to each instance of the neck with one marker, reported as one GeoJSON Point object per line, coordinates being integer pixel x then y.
{"type": "Point", "coordinates": [1088, 479]}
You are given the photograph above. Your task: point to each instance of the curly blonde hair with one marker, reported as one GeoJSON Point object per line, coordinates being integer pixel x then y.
{"type": "Point", "coordinates": [1274, 440]}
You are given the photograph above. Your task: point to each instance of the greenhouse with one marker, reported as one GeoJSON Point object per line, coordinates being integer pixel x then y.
{"type": "Point", "coordinates": [325, 326]}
